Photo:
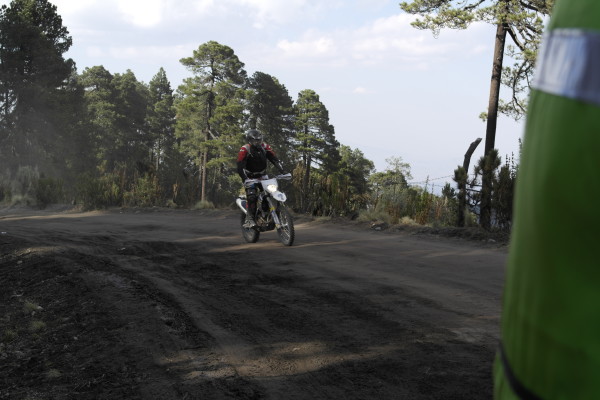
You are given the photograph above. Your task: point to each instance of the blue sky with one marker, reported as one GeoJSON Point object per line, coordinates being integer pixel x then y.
{"type": "Point", "coordinates": [391, 90]}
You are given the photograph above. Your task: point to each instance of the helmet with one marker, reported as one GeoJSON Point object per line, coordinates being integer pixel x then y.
{"type": "Point", "coordinates": [254, 137]}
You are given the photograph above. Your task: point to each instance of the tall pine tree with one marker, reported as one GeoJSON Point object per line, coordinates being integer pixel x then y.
{"type": "Point", "coordinates": [33, 71]}
{"type": "Point", "coordinates": [271, 110]}
{"type": "Point", "coordinates": [315, 138]}
{"type": "Point", "coordinates": [210, 109]}
{"type": "Point", "coordinates": [522, 21]}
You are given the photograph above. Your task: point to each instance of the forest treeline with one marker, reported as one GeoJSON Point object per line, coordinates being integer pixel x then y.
{"type": "Point", "coordinates": [101, 139]}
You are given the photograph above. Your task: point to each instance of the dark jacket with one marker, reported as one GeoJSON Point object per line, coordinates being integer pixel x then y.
{"type": "Point", "coordinates": [252, 163]}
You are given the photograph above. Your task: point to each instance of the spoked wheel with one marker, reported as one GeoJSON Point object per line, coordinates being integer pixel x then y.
{"type": "Point", "coordinates": [251, 235]}
{"type": "Point", "coordinates": [286, 228]}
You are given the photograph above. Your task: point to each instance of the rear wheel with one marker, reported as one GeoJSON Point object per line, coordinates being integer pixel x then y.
{"type": "Point", "coordinates": [251, 235]}
{"type": "Point", "coordinates": [286, 227]}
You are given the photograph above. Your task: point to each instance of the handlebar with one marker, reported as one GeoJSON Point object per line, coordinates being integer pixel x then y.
{"type": "Point", "coordinates": [250, 182]}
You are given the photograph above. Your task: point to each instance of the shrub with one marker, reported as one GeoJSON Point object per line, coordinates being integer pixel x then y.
{"type": "Point", "coordinates": [99, 192]}
{"type": "Point", "coordinates": [374, 215]}
{"type": "Point", "coordinates": [5, 187]}
{"type": "Point", "coordinates": [25, 181]}
{"type": "Point", "coordinates": [145, 192]}
{"type": "Point", "coordinates": [408, 221]}
{"type": "Point", "coordinates": [48, 191]}
{"type": "Point", "coordinates": [204, 205]}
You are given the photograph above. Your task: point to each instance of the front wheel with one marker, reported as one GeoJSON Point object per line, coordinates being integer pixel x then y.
{"type": "Point", "coordinates": [286, 227]}
{"type": "Point", "coordinates": [251, 235]}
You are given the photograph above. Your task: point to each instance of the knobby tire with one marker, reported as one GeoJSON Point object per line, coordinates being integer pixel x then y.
{"type": "Point", "coordinates": [286, 230]}
{"type": "Point", "coordinates": [251, 235]}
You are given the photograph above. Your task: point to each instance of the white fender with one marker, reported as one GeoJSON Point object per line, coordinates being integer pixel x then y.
{"type": "Point", "coordinates": [279, 196]}
{"type": "Point", "coordinates": [241, 204]}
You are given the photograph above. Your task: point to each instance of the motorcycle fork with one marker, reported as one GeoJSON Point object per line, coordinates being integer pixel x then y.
{"type": "Point", "coordinates": [272, 208]}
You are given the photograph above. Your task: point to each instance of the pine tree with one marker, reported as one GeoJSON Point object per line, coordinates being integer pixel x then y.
{"type": "Point", "coordinates": [160, 119]}
{"type": "Point", "coordinates": [271, 110]}
{"type": "Point", "coordinates": [210, 107]}
{"type": "Point", "coordinates": [522, 21]}
{"type": "Point", "coordinates": [33, 72]}
{"type": "Point", "coordinates": [315, 138]}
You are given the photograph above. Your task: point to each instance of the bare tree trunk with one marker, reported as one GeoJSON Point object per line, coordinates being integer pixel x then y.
{"type": "Point", "coordinates": [305, 182]}
{"type": "Point", "coordinates": [492, 117]}
{"type": "Point", "coordinates": [462, 185]}
{"type": "Point", "coordinates": [203, 176]}
{"type": "Point", "coordinates": [209, 113]}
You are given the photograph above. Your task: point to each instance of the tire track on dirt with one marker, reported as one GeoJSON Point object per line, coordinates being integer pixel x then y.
{"type": "Point", "coordinates": [192, 313]}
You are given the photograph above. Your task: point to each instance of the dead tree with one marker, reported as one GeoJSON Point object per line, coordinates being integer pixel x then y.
{"type": "Point", "coordinates": [460, 176]}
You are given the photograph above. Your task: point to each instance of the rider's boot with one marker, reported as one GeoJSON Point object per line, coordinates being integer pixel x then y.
{"type": "Point", "coordinates": [250, 222]}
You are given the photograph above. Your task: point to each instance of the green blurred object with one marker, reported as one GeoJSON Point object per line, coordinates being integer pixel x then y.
{"type": "Point", "coordinates": [551, 313]}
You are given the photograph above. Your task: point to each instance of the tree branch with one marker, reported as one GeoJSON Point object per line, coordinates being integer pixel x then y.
{"type": "Point", "coordinates": [474, 6]}
{"type": "Point", "coordinates": [527, 5]}
{"type": "Point", "coordinates": [515, 39]}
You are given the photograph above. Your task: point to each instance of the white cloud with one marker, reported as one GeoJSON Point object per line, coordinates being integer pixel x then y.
{"type": "Point", "coordinates": [386, 42]}
{"type": "Point", "coordinates": [265, 12]}
{"type": "Point", "coordinates": [381, 42]}
{"type": "Point", "coordinates": [205, 6]}
{"type": "Point", "coordinates": [72, 6]}
{"type": "Point", "coordinates": [142, 13]}
{"type": "Point", "coordinates": [482, 48]}
{"type": "Point", "coordinates": [308, 47]}
{"type": "Point", "coordinates": [138, 53]}
{"type": "Point", "coordinates": [360, 90]}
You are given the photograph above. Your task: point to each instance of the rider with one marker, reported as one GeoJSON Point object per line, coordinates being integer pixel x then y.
{"type": "Point", "coordinates": [252, 164]}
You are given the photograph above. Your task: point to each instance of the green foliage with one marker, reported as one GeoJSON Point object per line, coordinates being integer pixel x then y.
{"type": "Point", "coordinates": [315, 140]}
{"type": "Point", "coordinates": [117, 105]}
{"type": "Point", "coordinates": [114, 141]}
{"type": "Point", "coordinates": [25, 182]}
{"type": "Point", "coordinates": [95, 192]}
{"type": "Point", "coordinates": [33, 73]}
{"type": "Point", "coordinates": [524, 21]}
{"type": "Point", "coordinates": [210, 111]}
{"type": "Point", "coordinates": [504, 188]}
{"type": "Point", "coordinates": [502, 193]}
{"type": "Point", "coordinates": [372, 215]}
{"type": "Point", "coordinates": [29, 187]}
{"type": "Point", "coordinates": [271, 110]}
{"type": "Point", "coordinates": [487, 166]}
{"type": "Point", "coordinates": [392, 195]}
{"type": "Point", "coordinates": [143, 192]}
{"type": "Point", "coordinates": [204, 205]}
{"type": "Point", "coordinates": [413, 205]}
{"type": "Point", "coordinates": [48, 191]}
{"type": "Point", "coordinates": [357, 168]}
{"type": "Point", "coordinates": [160, 122]}
{"type": "Point", "coordinates": [5, 192]}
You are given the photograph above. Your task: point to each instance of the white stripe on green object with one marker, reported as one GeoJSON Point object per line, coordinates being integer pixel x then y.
{"type": "Point", "coordinates": [569, 65]}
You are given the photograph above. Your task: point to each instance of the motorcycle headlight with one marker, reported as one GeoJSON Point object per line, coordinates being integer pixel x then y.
{"type": "Point", "coordinates": [271, 188]}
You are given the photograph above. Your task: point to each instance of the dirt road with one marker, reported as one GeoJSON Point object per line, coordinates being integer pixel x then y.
{"type": "Point", "coordinates": [173, 305]}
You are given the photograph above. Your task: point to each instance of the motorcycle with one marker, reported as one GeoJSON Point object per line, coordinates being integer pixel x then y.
{"type": "Point", "coordinates": [271, 211]}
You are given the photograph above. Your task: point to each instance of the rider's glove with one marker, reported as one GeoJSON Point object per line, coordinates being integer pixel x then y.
{"type": "Point", "coordinates": [279, 166]}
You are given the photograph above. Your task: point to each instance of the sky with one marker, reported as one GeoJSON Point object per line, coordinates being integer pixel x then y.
{"type": "Point", "coordinates": [391, 90]}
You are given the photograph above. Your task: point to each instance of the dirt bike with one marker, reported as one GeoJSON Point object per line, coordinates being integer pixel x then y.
{"type": "Point", "coordinates": [271, 211]}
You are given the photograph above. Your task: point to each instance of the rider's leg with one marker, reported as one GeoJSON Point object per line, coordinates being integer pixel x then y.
{"type": "Point", "coordinates": [252, 199]}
